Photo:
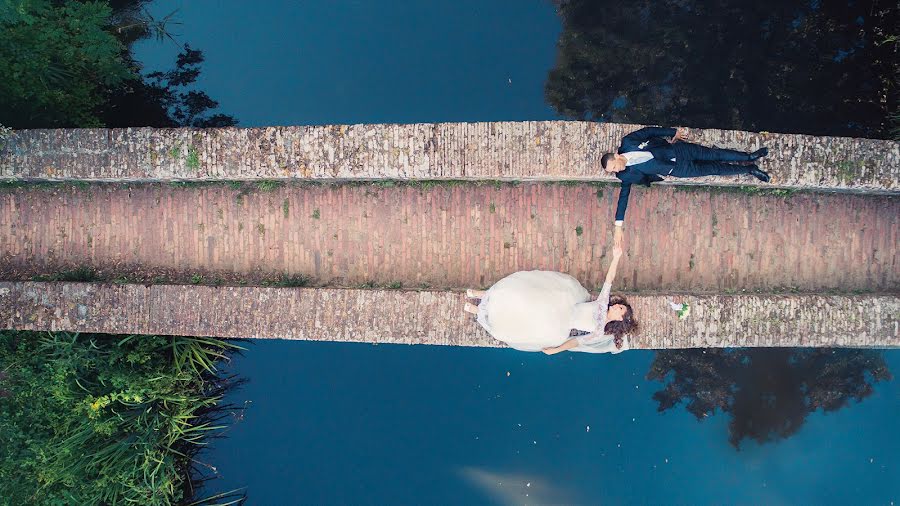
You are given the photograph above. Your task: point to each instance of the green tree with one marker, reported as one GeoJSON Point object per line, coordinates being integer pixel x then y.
{"type": "Point", "coordinates": [68, 63]}
{"type": "Point", "coordinates": [57, 62]}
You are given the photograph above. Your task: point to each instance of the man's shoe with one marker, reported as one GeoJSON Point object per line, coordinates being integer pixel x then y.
{"type": "Point", "coordinates": [759, 153]}
{"type": "Point", "coordinates": [759, 173]}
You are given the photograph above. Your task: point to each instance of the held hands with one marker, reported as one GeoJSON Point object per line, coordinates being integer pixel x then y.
{"type": "Point", "coordinates": [618, 237]}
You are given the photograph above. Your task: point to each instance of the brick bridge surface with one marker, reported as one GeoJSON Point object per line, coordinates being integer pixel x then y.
{"type": "Point", "coordinates": [697, 240]}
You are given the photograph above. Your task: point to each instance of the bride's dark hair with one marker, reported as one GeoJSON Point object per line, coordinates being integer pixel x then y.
{"type": "Point", "coordinates": [620, 328]}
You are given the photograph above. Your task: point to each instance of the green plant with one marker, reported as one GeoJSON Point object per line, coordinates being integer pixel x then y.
{"type": "Point", "coordinates": [579, 230]}
{"type": "Point", "coordinates": [196, 279]}
{"type": "Point", "coordinates": [268, 185]}
{"type": "Point", "coordinates": [103, 419]}
{"type": "Point", "coordinates": [492, 208]}
{"type": "Point", "coordinates": [288, 281]}
{"type": "Point", "coordinates": [395, 285]}
{"type": "Point", "coordinates": [58, 60]}
{"type": "Point", "coordinates": [79, 274]}
{"type": "Point", "coordinates": [5, 134]}
{"type": "Point", "coordinates": [316, 215]}
{"type": "Point", "coordinates": [286, 208]}
{"type": "Point", "coordinates": [193, 159]}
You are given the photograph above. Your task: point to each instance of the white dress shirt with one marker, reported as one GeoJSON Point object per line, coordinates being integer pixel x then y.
{"type": "Point", "coordinates": [637, 157]}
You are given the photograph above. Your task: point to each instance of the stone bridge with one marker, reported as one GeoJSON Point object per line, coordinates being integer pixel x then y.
{"type": "Point", "coordinates": [811, 260]}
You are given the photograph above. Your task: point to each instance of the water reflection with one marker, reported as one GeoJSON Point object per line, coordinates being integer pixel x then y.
{"type": "Point", "coordinates": [766, 392]}
{"type": "Point", "coordinates": [816, 67]}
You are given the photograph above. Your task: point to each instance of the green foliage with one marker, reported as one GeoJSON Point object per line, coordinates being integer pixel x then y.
{"type": "Point", "coordinates": [288, 281]}
{"type": "Point", "coordinates": [57, 61]}
{"type": "Point", "coordinates": [5, 134]}
{"type": "Point", "coordinates": [81, 274]}
{"type": "Point", "coordinates": [193, 160]}
{"type": "Point", "coordinates": [268, 185]}
{"type": "Point", "coordinates": [101, 419]}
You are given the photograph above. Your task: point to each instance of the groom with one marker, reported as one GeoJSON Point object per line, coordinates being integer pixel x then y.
{"type": "Point", "coordinates": [646, 155]}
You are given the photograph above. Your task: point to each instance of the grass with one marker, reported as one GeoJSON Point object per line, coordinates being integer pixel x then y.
{"type": "Point", "coordinates": [288, 281]}
{"type": "Point", "coordinates": [79, 274]}
{"type": "Point", "coordinates": [268, 185]}
{"type": "Point", "coordinates": [193, 159]}
{"type": "Point", "coordinates": [110, 419]}
{"type": "Point", "coordinates": [316, 214]}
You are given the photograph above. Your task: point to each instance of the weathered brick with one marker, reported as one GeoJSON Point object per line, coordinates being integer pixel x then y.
{"type": "Point", "coordinates": [696, 241]}
{"type": "Point", "coordinates": [429, 317]}
{"type": "Point", "coordinates": [510, 150]}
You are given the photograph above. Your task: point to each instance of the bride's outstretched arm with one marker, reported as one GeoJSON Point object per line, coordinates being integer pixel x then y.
{"type": "Point", "coordinates": [611, 273]}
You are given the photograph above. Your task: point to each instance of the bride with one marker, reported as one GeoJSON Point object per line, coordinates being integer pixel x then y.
{"type": "Point", "coordinates": [540, 310]}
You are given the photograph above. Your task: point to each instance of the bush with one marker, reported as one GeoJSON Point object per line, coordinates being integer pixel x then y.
{"type": "Point", "coordinates": [101, 419]}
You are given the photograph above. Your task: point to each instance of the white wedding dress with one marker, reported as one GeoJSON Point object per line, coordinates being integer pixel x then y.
{"type": "Point", "coordinates": [533, 310]}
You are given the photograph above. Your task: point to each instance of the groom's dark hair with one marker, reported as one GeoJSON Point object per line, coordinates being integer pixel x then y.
{"type": "Point", "coordinates": [605, 159]}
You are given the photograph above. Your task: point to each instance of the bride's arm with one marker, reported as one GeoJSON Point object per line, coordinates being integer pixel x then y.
{"type": "Point", "coordinates": [568, 345]}
{"type": "Point", "coordinates": [611, 273]}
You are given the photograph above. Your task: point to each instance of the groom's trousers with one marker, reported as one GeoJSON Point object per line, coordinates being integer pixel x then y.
{"type": "Point", "coordinates": [700, 169]}
{"type": "Point", "coordinates": [698, 161]}
{"type": "Point", "coordinates": [690, 151]}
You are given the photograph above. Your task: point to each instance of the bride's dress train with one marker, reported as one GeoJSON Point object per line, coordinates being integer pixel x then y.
{"type": "Point", "coordinates": [533, 310]}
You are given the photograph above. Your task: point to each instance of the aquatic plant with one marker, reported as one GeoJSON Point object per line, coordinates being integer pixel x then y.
{"type": "Point", "coordinates": [109, 419]}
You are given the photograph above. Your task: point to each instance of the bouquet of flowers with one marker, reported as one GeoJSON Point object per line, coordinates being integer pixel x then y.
{"type": "Point", "coordinates": [683, 309]}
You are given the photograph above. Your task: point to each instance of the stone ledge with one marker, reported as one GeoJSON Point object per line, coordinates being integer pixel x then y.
{"type": "Point", "coordinates": [429, 317]}
{"type": "Point", "coordinates": [533, 150]}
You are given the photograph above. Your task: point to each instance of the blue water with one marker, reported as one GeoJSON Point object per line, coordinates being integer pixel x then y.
{"type": "Point", "coordinates": [332, 423]}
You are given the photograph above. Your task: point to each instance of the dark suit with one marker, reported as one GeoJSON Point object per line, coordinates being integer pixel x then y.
{"type": "Point", "coordinates": [691, 160]}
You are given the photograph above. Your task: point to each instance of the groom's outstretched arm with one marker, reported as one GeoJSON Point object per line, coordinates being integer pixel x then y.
{"type": "Point", "coordinates": [622, 205]}
{"type": "Point", "coordinates": [639, 136]}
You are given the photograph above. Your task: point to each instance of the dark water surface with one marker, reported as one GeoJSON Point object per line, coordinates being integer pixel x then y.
{"type": "Point", "coordinates": [360, 424]}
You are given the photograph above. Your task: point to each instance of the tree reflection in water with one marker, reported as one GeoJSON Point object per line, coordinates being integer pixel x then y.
{"type": "Point", "coordinates": [767, 392]}
{"type": "Point", "coordinates": [821, 67]}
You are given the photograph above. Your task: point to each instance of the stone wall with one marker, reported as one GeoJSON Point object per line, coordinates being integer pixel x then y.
{"type": "Point", "coordinates": [428, 317]}
{"type": "Point", "coordinates": [502, 150]}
